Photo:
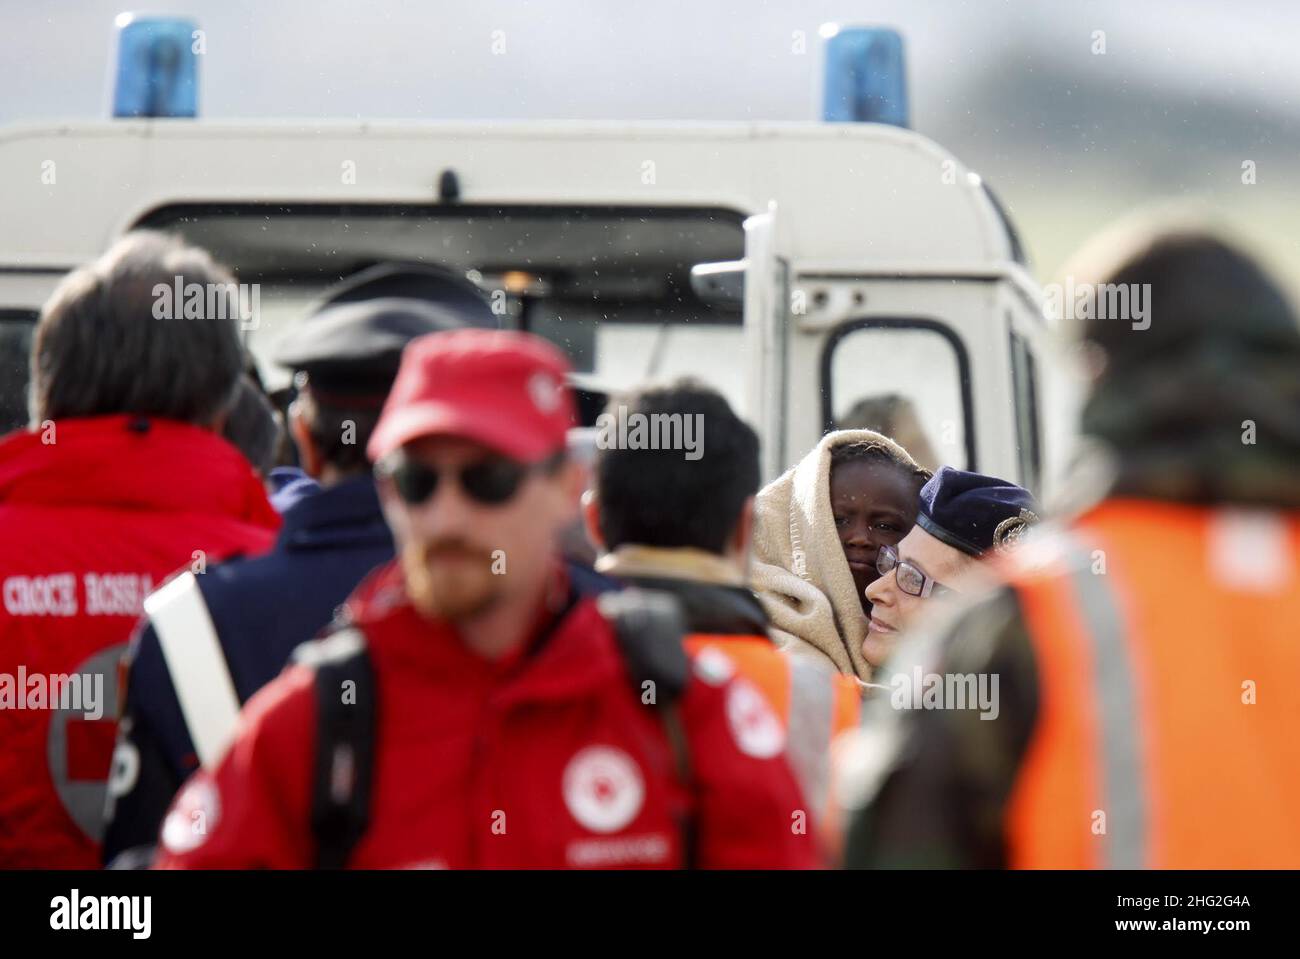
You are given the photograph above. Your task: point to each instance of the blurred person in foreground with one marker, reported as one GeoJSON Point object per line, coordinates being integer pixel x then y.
{"type": "Point", "coordinates": [964, 518]}
{"type": "Point", "coordinates": [121, 479]}
{"type": "Point", "coordinates": [1146, 652]}
{"type": "Point", "coordinates": [670, 521]}
{"type": "Point", "coordinates": [474, 710]}
{"type": "Point", "coordinates": [209, 641]}
{"type": "Point", "coordinates": [818, 530]}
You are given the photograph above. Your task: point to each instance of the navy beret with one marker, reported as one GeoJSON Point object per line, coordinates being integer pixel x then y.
{"type": "Point", "coordinates": [975, 513]}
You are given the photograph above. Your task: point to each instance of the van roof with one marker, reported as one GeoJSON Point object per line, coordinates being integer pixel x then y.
{"type": "Point", "coordinates": [845, 193]}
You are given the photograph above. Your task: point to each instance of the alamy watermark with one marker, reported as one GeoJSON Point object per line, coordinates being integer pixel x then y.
{"type": "Point", "coordinates": [208, 301]}
{"type": "Point", "coordinates": [622, 430]}
{"type": "Point", "coordinates": [74, 912]}
{"type": "Point", "coordinates": [921, 690]}
{"type": "Point", "coordinates": [1099, 301]}
{"type": "Point", "coordinates": [80, 692]}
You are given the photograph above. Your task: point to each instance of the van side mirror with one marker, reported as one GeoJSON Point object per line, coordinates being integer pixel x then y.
{"type": "Point", "coordinates": [720, 285]}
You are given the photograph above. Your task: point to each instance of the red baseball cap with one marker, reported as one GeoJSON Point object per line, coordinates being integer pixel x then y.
{"type": "Point", "coordinates": [503, 389]}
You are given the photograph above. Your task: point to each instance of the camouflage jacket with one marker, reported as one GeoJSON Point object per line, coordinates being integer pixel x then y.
{"type": "Point", "coordinates": [927, 787]}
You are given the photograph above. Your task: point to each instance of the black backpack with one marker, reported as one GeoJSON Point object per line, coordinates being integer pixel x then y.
{"type": "Point", "coordinates": [650, 628]}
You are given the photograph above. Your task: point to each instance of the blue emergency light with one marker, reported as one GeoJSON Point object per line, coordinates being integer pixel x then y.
{"type": "Point", "coordinates": [866, 80]}
{"type": "Point", "coordinates": [157, 67]}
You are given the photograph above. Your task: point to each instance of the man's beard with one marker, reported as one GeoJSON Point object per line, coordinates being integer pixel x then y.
{"type": "Point", "coordinates": [449, 580]}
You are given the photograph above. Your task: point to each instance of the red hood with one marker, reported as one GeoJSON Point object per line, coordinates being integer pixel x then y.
{"type": "Point", "coordinates": [103, 462]}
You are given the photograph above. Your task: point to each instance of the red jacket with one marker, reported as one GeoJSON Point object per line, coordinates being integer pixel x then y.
{"type": "Point", "coordinates": [90, 523]}
{"type": "Point", "coordinates": [549, 760]}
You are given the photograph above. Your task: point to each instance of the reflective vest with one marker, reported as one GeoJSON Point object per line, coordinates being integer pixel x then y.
{"type": "Point", "coordinates": [815, 702]}
{"type": "Point", "coordinates": [1167, 648]}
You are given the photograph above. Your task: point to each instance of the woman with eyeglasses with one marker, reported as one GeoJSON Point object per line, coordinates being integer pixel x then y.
{"type": "Point", "coordinates": [963, 518]}
{"type": "Point", "coordinates": [819, 530]}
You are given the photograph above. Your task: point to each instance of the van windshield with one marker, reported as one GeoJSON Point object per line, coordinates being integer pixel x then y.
{"type": "Point", "coordinates": [609, 285]}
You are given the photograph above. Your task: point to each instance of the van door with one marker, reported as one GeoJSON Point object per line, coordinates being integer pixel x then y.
{"type": "Point", "coordinates": [766, 301]}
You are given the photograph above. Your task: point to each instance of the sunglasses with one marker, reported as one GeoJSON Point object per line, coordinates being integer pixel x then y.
{"type": "Point", "coordinates": [911, 579]}
{"type": "Point", "coordinates": [489, 482]}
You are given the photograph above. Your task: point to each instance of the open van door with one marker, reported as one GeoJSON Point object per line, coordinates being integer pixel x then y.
{"type": "Point", "coordinates": [766, 301]}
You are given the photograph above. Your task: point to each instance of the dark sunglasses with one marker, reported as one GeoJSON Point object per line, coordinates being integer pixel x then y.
{"type": "Point", "coordinates": [490, 481]}
{"type": "Point", "coordinates": [911, 579]}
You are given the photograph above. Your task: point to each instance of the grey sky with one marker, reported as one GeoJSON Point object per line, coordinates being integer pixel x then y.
{"type": "Point", "coordinates": [1185, 91]}
{"type": "Point", "coordinates": [673, 59]}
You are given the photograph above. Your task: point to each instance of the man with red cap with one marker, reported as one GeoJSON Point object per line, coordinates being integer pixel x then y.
{"type": "Point", "coordinates": [473, 709]}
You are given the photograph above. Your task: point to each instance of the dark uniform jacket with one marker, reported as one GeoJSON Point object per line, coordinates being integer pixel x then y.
{"type": "Point", "coordinates": [262, 607]}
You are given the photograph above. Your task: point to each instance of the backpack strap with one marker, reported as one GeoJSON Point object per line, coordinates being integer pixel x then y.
{"type": "Point", "coordinates": [345, 742]}
{"type": "Point", "coordinates": [650, 627]}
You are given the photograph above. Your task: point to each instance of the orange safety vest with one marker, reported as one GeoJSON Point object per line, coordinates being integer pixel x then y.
{"type": "Point", "coordinates": [815, 703]}
{"type": "Point", "coordinates": [1167, 645]}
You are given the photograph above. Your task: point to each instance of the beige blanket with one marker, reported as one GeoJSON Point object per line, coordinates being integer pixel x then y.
{"type": "Point", "coordinates": [800, 572]}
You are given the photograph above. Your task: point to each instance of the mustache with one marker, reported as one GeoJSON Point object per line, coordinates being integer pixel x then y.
{"type": "Point", "coordinates": [450, 549]}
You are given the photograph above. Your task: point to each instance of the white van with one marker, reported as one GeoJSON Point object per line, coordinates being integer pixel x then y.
{"type": "Point", "coordinates": [820, 275]}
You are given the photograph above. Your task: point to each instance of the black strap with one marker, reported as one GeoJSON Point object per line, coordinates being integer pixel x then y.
{"type": "Point", "coordinates": [681, 747]}
{"type": "Point", "coordinates": [345, 739]}
{"type": "Point", "coordinates": [651, 628]}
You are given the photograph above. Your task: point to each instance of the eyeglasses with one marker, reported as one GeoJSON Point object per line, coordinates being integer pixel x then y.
{"type": "Point", "coordinates": [910, 579]}
{"type": "Point", "coordinates": [490, 482]}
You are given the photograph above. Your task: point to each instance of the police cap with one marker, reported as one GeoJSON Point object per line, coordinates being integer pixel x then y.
{"type": "Point", "coordinates": [350, 351]}
{"type": "Point", "coordinates": [974, 513]}
{"type": "Point", "coordinates": [416, 281]}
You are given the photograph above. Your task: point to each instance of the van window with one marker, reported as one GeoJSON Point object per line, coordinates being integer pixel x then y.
{"type": "Point", "coordinates": [16, 328]}
{"type": "Point", "coordinates": [1024, 377]}
{"type": "Point", "coordinates": [609, 285]}
{"type": "Point", "coordinates": [908, 379]}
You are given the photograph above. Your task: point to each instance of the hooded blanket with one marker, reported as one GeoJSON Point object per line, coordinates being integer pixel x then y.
{"type": "Point", "coordinates": [800, 572]}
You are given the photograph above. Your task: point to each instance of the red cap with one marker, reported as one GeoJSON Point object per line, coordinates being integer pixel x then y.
{"type": "Point", "coordinates": [503, 389]}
